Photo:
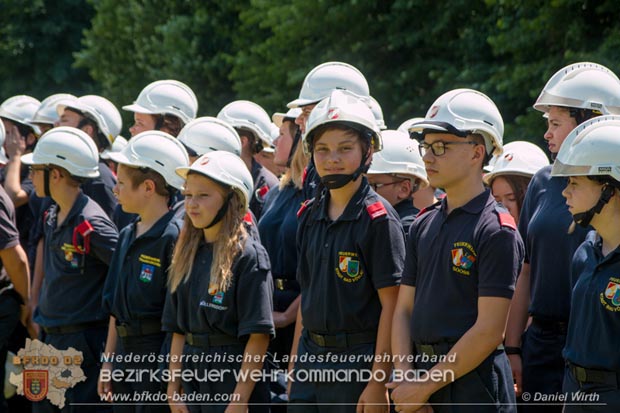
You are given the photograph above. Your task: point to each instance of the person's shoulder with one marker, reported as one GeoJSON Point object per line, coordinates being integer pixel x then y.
{"type": "Point", "coordinates": [253, 254]}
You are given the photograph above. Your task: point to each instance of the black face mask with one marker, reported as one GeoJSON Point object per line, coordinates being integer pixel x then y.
{"type": "Point", "coordinates": [583, 219]}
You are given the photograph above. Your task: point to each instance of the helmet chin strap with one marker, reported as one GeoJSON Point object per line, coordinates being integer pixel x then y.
{"type": "Point", "coordinates": [46, 182]}
{"type": "Point", "coordinates": [296, 140]}
{"type": "Point", "coordinates": [220, 214]}
{"type": "Point", "coordinates": [583, 219]}
{"type": "Point", "coordinates": [336, 181]}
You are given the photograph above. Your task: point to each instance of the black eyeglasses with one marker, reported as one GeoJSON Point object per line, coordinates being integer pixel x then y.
{"type": "Point", "coordinates": [439, 147]}
{"type": "Point", "coordinates": [33, 168]}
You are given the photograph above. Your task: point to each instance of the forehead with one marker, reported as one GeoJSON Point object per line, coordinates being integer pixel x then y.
{"type": "Point", "coordinates": [444, 137]}
{"type": "Point", "coordinates": [142, 116]}
{"type": "Point", "coordinates": [558, 113]}
{"type": "Point", "coordinates": [199, 181]}
{"type": "Point", "coordinates": [337, 136]}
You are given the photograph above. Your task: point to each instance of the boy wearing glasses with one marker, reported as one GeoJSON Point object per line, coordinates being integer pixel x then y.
{"type": "Point", "coordinates": [463, 257]}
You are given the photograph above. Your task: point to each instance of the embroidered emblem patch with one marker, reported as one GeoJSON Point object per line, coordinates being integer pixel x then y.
{"type": "Point", "coordinates": [146, 273]}
{"type": "Point", "coordinates": [610, 298]}
{"type": "Point", "coordinates": [463, 257]}
{"type": "Point", "coordinates": [349, 269]}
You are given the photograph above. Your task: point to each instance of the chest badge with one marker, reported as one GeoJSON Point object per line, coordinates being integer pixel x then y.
{"type": "Point", "coordinates": [146, 273]}
{"type": "Point", "coordinates": [612, 295]}
{"type": "Point", "coordinates": [349, 267]}
{"type": "Point", "coordinates": [463, 257]}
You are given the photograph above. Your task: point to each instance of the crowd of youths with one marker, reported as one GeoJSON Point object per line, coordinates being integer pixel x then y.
{"type": "Point", "coordinates": [315, 260]}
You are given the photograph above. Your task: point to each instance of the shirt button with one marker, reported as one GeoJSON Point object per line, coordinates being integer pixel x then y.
{"type": "Point", "coordinates": [326, 245]}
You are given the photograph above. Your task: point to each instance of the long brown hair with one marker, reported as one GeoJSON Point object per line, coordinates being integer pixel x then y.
{"type": "Point", "coordinates": [295, 172]}
{"type": "Point", "coordinates": [229, 243]}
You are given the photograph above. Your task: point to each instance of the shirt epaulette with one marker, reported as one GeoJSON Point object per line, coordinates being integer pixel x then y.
{"type": "Point", "coordinates": [505, 219]}
{"type": "Point", "coordinates": [304, 206]}
{"type": "Point", "coordinates": [247, 218]}
{"type": "Point", "coordinates": [375, 209]}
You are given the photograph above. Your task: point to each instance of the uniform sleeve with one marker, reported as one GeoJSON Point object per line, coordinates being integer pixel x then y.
{"type": "Point", "coordinates": [499, 262]}
{"type": "Point", "coordinates": [114, 270]}
{"type": "Point", "coordinates": [9, 237]}
{"type": "Point", "coordinates": [254, 292]}
{"type": "Point", "coordinates": [527, 210]}
{"type": "Point", "coordinates": [386, 269]}
{"type": "Point", "coordinates": [103, 239]}
{"type": "Point", "coordinates": [410, 272]}
{"type": "Point", "coordinates": [169, 315]}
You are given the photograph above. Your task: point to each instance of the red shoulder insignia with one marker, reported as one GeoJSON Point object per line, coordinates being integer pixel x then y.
{"type": "Point", "coordinates": [304, 206]}
{"type": "Point", "coordinates": [506, 220]}
{"type": "Point", "coordinates": [428, 208]}
{"type": "Point", "coordinates": [304, 175]}
{"type": "Point", "coordinates": [84, 230]}
{"type": "Point", "coordinates": [376, 210]}
{"type": "Point", "coordinates": [262, 191]}
{"type": "Point", "coordinates": [248, 218]}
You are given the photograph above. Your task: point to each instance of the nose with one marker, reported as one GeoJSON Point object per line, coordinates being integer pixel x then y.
{"type": "Point", "coordinates": [132, 130]}
{"type": "Point", "coordinates": [548, 135]}
{"type": "Point", "coordinates": [301, 122]}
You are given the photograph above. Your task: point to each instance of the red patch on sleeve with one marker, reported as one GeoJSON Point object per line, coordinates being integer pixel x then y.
{"type": "Point", "coordinates": [84, 229]}
{"type": "Point", "coordinates": [376, 210]}
{"type": "Point", "coordinates": [304, 175]}
{"type": "Point", "coordinates": [301, 210]}
{"type": "Point", "coordinates": [248, 218]}
{"type": "Point", "coordinates": [506, 220]}
{"type": "Point", "coordinates": [262, 191]}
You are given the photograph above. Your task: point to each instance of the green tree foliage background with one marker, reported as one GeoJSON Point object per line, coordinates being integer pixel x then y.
{"type": "Point", "coordinates": [410, 51]}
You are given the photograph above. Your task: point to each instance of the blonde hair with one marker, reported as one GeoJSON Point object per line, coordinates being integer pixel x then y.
{"type": "Point", "coordinates": [295, 173]}
{"type": "Point", "coordinates": [229, 243]}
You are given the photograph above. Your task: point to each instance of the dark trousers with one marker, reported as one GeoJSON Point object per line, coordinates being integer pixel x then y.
{"type": "Point", "coordinates": [589, 397]}
{"type": "Point", "coordinates": [327, 396]}
{"type": "Point", "coordinates": [543, 367]}
{"type": "Point", "coordinates": [91, 343]}
{"type": "Point", "coordinates": [142, 386]}
{"type": "Point", "coordinates": [9, 317]}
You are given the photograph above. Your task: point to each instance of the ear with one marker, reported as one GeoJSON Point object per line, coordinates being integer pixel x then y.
{"type": "Point", "coordinates": [149, 186]}
{"type": "Point", "coordinates": [404, 189]}
{"type": "Point", "coordinates": [55, 174]}
{"type": "Point", "coordinates": [30, 139]}
{"type": "Point", "coordinates": [90, 131]}
{"type": "Point", "coordinates": [369, 155]}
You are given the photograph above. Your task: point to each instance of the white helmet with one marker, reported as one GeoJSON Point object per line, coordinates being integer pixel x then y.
{"type": "Point", "coordinates": [462, 112]}
{"type": "Point", "coordinates": [278, 118]}
{"type": "Point", "coordinates": [155, 150]}
{"type": "Point", "coordinates": [100, 109]}
{"type": "Point", "coordinates": [582, 85]}
{"type": "Point", "coordinates": [117, 146]}
{"type": "Point", "coordinates": [46, 113]}
{"type": "Point", "coordinates": [519, 158]}
{"type": "Point", "coordinates": [243, 114]}
{"type": "Point", "coordinates": [3, 158]}
{"type": "Point", "coordinates": [400, 156]}
{"type": "Point", "coordinates": [275, 134]}
{"type": "Point", "coordinates": [343, 107]}
{"type": "Point", "coordinates": [591, 148]}
{"type": "Point", "coordinates": [166, 96]}
{"type": "Point", "coordinates": [406, 125]}
{"type": "Point", "coordinates": [377, 111]}
{"type": "Point", "coordinates": [329, 76]}
{"type": "Point", "coordinates": [20, 109]}
{"type": "Point", "coordinates": [208, 134]}
{"type": "Point", "coordinates": [227, 169]}
{"type": "Point", "coordinates": [69, 148]}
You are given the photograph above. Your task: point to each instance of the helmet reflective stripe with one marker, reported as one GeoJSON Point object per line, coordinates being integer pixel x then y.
{"type": "Point", "coordinates": [462, 112]}
{"type": "Point", "coordinates": [47, 110]}
{"type": "Point", "coordinates": [343, 107]}
{"type": "Point", "coordinates": [208, 134]}
{"type": "Point", "coordinates": [166, 97]}
{"type": "Point", "coordinates": [404, 127]}
{"type": "Point", "coordinates": [227, 169]}
{"type": "Point", "coordinates": [582, 85]}
{"type": "Point", "coordinates": [99, 109]}
{"type": "Point", "coordinates": [155, 150]}
{"type": "Point", "coordinates": [243, 114]}
{"type": "Point", "coordinates": [325, 78]}
{"type": "Point", "coordinates": [592, 148]}
{"type": "Point", "coordinates": [519, 158]}
{"type": "Point", "coordinates": [69, 148]}
{"type": "Point", "coordinates": [399, 156]}
{"type": "Point", "coordinates": [20, 109]}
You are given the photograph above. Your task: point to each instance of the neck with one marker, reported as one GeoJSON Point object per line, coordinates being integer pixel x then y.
{"type": "Point", "coordinates": [424, 197]}
{"type": "Point", "coordinates": [464, 191]}
{"type": "Point", "coordinates": [605, 224]}
{"type": "Point", "coordinates": [211, 234]}
{"type": "Point", "coordinates": [247, 157]}
{"type": "Point", "coordinates": [65, 197]}
{"type": "Point", "coordinates": [339, 198]}
{"type": "Point", "coordinates": [152, 213]}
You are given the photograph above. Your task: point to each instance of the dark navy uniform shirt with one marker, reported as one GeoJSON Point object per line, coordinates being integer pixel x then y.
{"type": "Point", "coordinates": [453, 259]}
{"type": "Point", "coordinates": [9, 237]}
{"type": "Point", "coordinates": [264, 181]}
{"type": "Point", "coordinates": [593, 337]}
{"type": "Point", "coordinates": [72, 288]}
{"type": "Point", "coordinates": [245, 308]}
{"type": "Point", "coordinates": [278, 230]}
{"type": "Point", "coordinates": [136, 285]}
{"type": "Point", "coordinates": [343, 263]}
{"type": "Point", "coordinates": [549, 249]}
{"type": "Point", "coordinates": [407, 213]}
{"type": "Point", "coordinates": [100, 189]}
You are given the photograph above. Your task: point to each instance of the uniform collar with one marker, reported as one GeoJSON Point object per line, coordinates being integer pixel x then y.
{"type": "Point", "coordinates": [474, 206]}
{"type": "Point", "coordinates": [406, 207]}
{"type": "Point", "coordinates": [158, 228]}
{"type": "Point", "coordinates": [353, 209]}
{"type": "Point", "coordinates": [76, 209]}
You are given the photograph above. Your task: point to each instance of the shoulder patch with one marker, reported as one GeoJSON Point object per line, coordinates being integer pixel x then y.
{"type": "Point", "coordinates": [428, 208]}
{"type": "Point", "coordinates": [304, 206]}
{"type": "Point", "coordinates": [247, 218]}
{"type": "Point", "coordinates": [505, 219]}
{"type": "Point", "coordinates": [304, 175]}
{"type": "Point", "coordinates": [376, 210]}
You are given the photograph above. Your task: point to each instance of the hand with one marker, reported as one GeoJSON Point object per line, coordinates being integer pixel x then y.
{"type": "Point", "coordinates": [33, 328]}
{"type": "Point", "coordinates": [104, 388]}
{"type": "Point", "coordinates": [517, 369]}
{"type": "Point", "coordinates": [236, 407]}
{"type": "Point", "coordinates": [15, 144]}
{"type": "Point", "coordinates": [280, 320]}
{"type": "Point", "coordinates": [409, 396]}
{"type": "Point", "coordinates": [174, 388]}
{"type": "Point", "coordinates": [374, 399]}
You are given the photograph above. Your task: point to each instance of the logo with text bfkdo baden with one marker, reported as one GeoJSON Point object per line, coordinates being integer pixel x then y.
{"type": "Point", "coordinates": [47, 372]}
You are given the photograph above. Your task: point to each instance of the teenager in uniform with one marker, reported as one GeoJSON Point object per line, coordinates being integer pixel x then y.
{"type": "Point", "coordinates": [165, 105]}
{"type": "Point", "coordinates": [136, 286]}
{"type": "Point", "coordinates": [14, 279]}
{"type": "Point", "coordinates": [397, 173]}
{"type": "Point", "coordinates": [317, 85]}
{"type": "Point", "coordinates": [589, 158]}
{"type": "Point", "coordinates": [219, 305]}
{"type": "Point", "coordinates": [573, 95]}
{"type": "Point", "coordinates": [79, 242]}
{"type": "Point", "coordinates": [348, 283]}
{"type": "Point", "coordinates": [463, 257]}
{"type": "Point", "coordinates": [253, 125]}
{"type": "Point", "coordinates": [511, 172]}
